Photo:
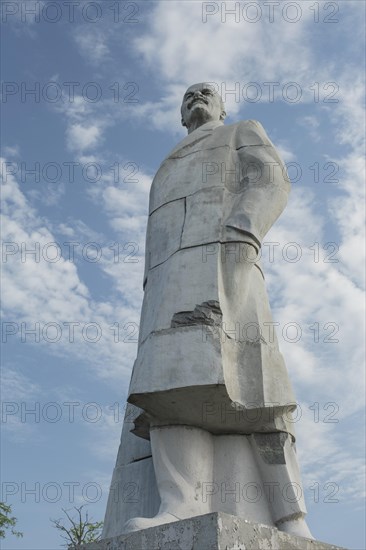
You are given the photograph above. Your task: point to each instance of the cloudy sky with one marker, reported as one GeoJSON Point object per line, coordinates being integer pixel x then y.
{"type": "Point", "coordinates": [91, 93]}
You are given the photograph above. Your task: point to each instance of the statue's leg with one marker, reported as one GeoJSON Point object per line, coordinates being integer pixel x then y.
{"type": "Point", "coordinates": [277, 461]}
{"type": "Point", "coordinates": [238, 488]}
{"type": "Point", "coordinates": [133, 490]}
{"type": "Point", "coordinates": [183, 460]}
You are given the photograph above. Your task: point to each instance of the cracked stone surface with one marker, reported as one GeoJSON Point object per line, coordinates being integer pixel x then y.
{"type": "Point", "coordinates": [210, 532]}
{"type": "Point", "coordinates": [208, 313]}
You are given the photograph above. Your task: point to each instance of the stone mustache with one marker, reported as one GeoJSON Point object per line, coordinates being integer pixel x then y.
{"type": "Point", "coordinates": [208, 426]}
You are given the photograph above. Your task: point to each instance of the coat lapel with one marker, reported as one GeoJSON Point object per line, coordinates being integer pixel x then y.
{"type": "Point", "coordinates": [203, 132]}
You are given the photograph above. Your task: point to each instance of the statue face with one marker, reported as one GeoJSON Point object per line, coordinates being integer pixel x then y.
{"type": "Point", "coordinates": [201, 104]}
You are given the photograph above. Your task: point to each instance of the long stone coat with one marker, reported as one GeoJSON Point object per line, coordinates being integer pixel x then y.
{"type": "Point", "coordinates": [207, 354]}
{"type": "Point", "coordinates": [201, 359]}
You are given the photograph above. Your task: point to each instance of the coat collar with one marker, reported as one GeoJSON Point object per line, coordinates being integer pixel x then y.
{"type": "Point", "coordinates": [197, 135]}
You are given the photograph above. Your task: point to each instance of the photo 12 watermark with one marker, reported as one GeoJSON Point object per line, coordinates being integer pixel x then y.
{"type": "Point", "coordinates": [69, 172]}
{"type": "Point", "coordinates": [53, 412]}
{"type": "Point", "coordinates": [256, 333]}
{"type": "Point", "coordinates": [70, 251]}
{"type": "Point", "coordinates": [265, 412]}
{"type": "Point", "coordinates": [237, 176]}
{"type": "Point", "coordinates": [271, 491]}
{"type": "Point", "coordinates": [270, 12]}
{"type": "Point", "coordinates": [70, 11]}
{"type": "Point", "coordinates": [70, 332]}
{"type": "Point", "coordinates": [132, 492]}
{"type": "Point", "coordinates": [271, 251]}
{"type": "Point", "coordinates": [68, 92]}
{"type": "Point", "coordinates": [271, 91]}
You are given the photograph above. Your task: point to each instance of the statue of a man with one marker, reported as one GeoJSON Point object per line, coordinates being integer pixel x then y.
{"type": "Point", "coordinates": [213, 404]}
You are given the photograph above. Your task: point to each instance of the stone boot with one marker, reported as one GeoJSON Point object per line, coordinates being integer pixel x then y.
{"type": "Point", "coordinates": [276, 458]}
{"type": "Point", "coordinates": [183, 461]}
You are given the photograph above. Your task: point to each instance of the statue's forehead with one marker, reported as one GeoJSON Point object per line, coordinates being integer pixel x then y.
{"type": "Point", "coordinates": [200, 86]}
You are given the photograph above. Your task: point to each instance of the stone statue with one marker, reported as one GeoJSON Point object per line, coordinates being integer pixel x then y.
{"type": "Point", "coordinates": [209, 398]}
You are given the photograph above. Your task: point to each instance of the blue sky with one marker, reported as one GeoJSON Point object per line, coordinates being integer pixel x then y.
{"type": "Point", "coordinates": [108, 79]}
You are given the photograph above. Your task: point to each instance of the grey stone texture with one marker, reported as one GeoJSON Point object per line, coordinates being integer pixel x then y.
{"type": "Point", "coordinates": [212, 201]}
{"type": "Point", "coordinates": [210, 400]}
{"type": "Point", "coordinates": [216, 531]}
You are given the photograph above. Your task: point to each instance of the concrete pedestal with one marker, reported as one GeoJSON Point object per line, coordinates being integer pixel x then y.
{"type": "Point", "coordinates": [216, 531]}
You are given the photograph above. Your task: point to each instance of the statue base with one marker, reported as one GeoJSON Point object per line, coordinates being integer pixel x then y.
{"type": "Point", "coordinates": [215, 531]}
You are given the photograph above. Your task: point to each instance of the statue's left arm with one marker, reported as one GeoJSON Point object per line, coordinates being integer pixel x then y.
{"type": "Point", "coordinates": [264, 184]}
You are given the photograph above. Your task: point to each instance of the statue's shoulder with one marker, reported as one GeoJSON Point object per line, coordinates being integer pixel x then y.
{"type": "Point", "coordinates": [251, 132]}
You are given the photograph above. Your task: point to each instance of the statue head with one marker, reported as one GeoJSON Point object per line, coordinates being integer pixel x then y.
{"type": "Point", "coordinates": [201, 104]}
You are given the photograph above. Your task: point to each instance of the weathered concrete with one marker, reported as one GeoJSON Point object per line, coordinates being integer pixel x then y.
{"type": "Point", "coordinates": [215, 531]}
{"type": "Point", "coordinates": [209, 384]}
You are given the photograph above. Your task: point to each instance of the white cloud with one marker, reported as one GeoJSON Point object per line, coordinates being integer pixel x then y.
{"type": "Point", "coordinates": [326, 363]}
{"type": "Point", "coordinates": [314, 290]}
{"type": "Point", "coordinates": [92, 43]}
{"type": "Point", "coordinates": [328, 456]}
{"type": "Point", "coordinates": [228, 53]}
{"type": "Point", "coordinates": [11, 151]}
{"type": "Point", "coordinates": [348, 209]}
{"type": "Point", "coordinates": [16, 386]}
{"type": "Point", "coordinates": [85, 125]}
{"type": "Point", "coordinates": [126, 209]}
{"type": "Point", "coordinates": [66, 230]}
{"type": "Point", "coordinates": [87, 122]}
{"type": "Point", "coordinates": [81, 137]}
{"type": "Point", "coordinates": [42, 291]}
{"type": "Point", "coordinates": [50, 195]}
{"type": "Point", "coordinates": [285, 153]}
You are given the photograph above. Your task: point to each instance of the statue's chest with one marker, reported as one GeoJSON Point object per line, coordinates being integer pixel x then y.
{"type": "Point", "coordinates": [203, 164]}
